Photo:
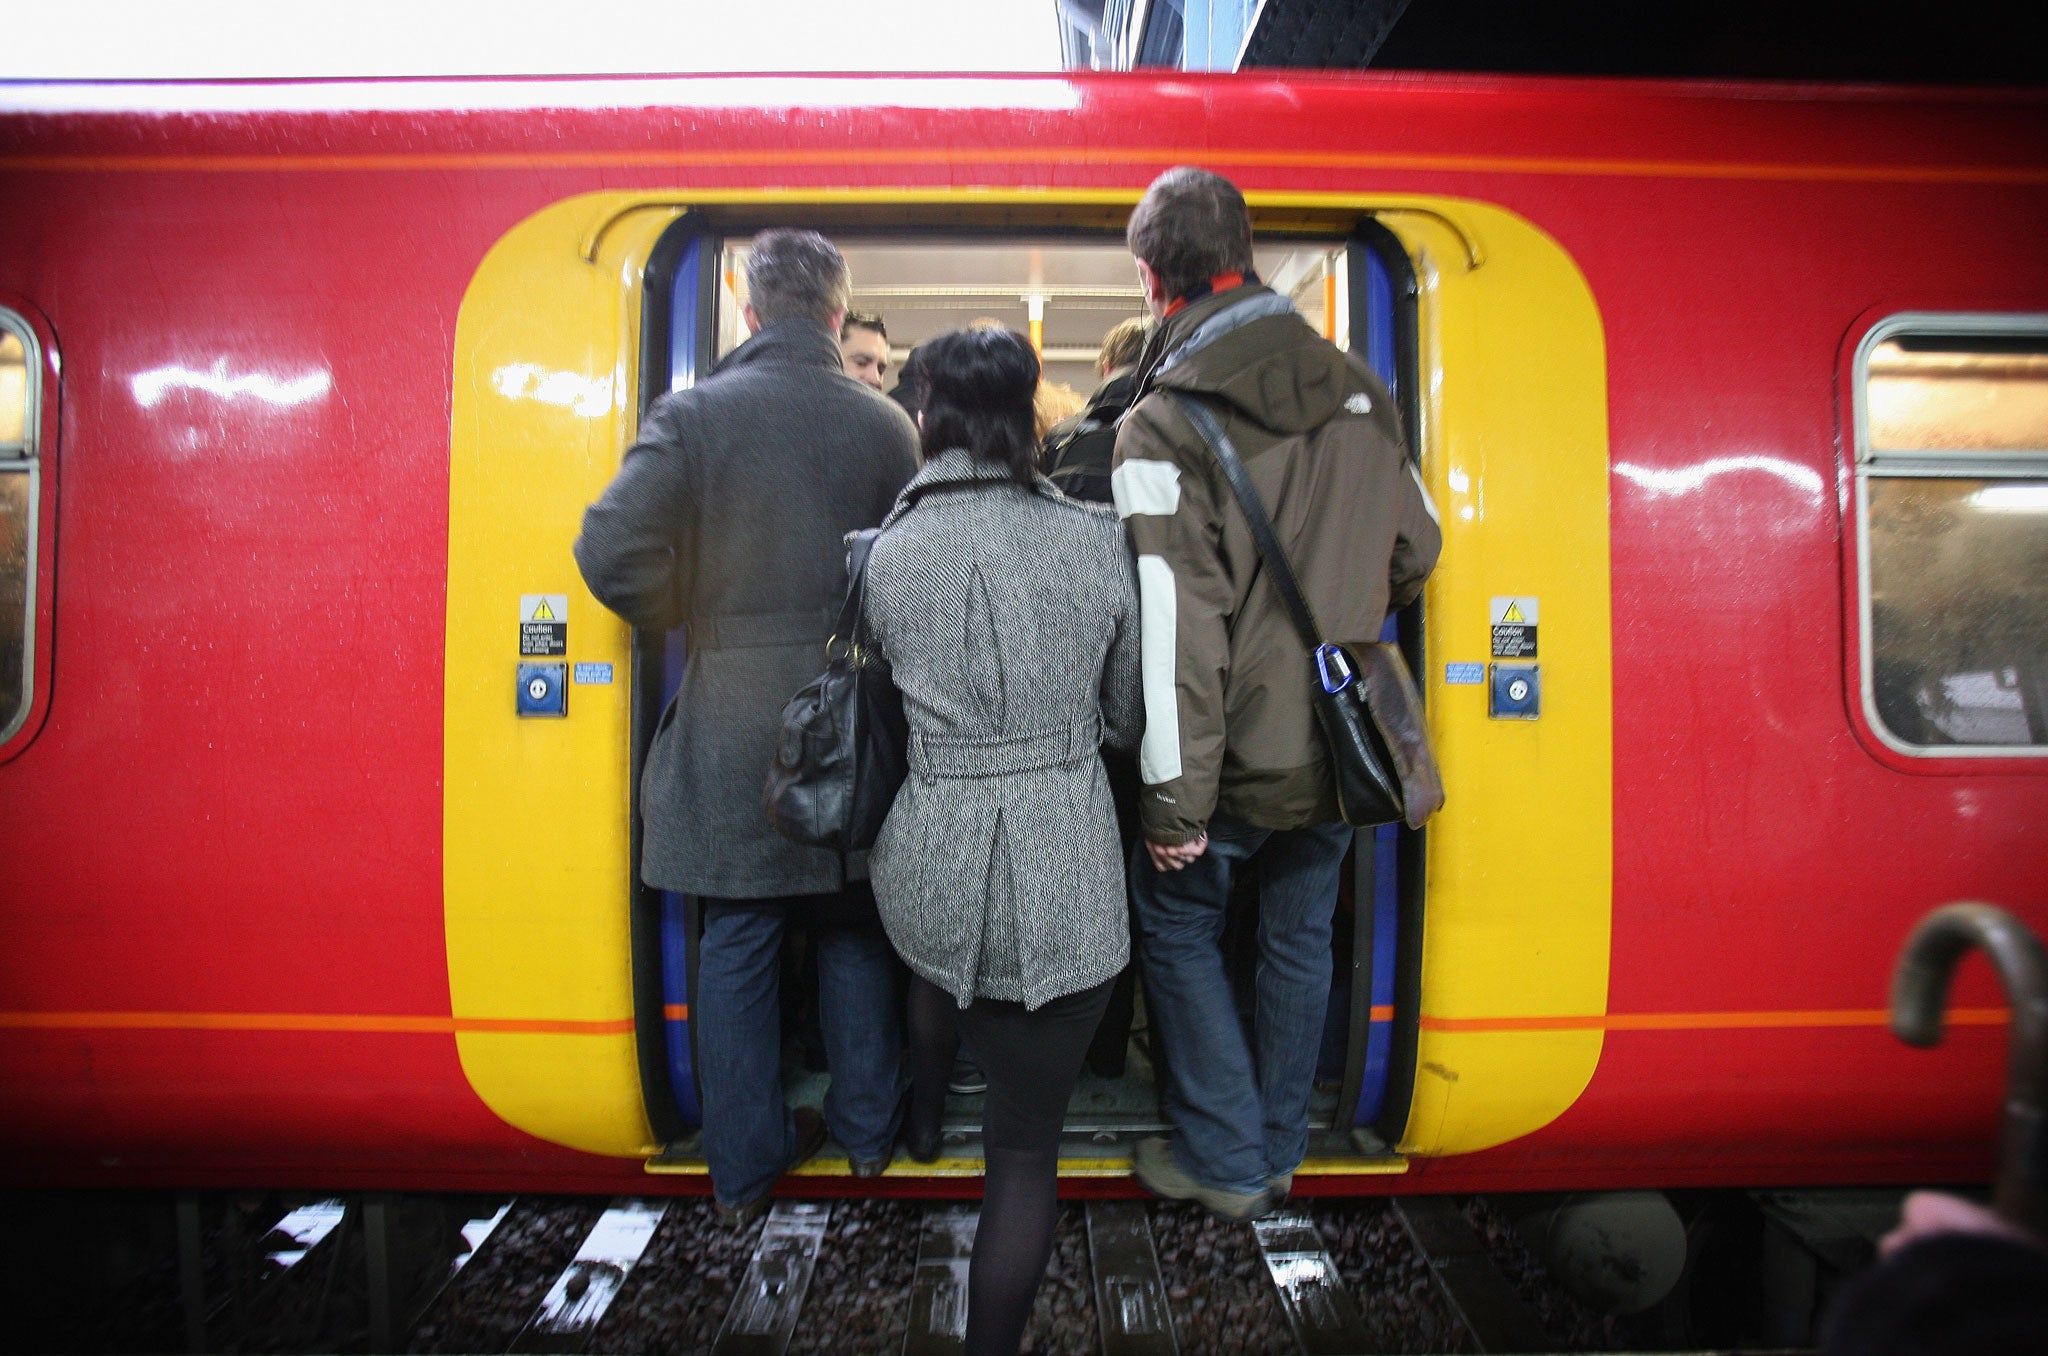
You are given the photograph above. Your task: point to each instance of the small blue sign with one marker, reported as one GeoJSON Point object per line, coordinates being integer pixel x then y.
{"type": "Point", "coordinates": [588, 674]}
{"type": "Point", "coordinates": [1461, 675]}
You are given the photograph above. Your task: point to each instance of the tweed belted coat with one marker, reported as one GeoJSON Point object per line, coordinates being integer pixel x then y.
{"type": "Point", "coordinates": [729, 516]}
{"type": "Point", "coordinates": [1010, 619]}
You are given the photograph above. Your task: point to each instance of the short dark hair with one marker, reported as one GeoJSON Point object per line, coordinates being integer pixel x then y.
{"type": "Point", "coordinates": [866, 320]}
{"type": "Point", "coordinates": [978, 385]}
{"type": "Point", "coordinates": [1190, 226]}
{"type": "Point", "coordinates": [796, 273]}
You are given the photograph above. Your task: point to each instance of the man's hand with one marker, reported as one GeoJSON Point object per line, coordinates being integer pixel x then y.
{"type": "Point", "coordinates": [1179, 855]}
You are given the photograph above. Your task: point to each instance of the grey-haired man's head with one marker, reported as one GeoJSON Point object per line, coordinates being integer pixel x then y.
{"type": "Point", "coordinates": [796, 274]}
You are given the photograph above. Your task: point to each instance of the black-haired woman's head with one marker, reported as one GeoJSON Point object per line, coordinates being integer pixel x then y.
{"type": "Point", "coordinates": [978, 385]}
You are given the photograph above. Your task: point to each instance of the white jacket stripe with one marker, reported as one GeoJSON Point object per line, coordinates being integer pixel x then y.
{"type": "Point", "coordinates": [1159, 751]}
{"type": "Point", "coordinates": [1144, 486]}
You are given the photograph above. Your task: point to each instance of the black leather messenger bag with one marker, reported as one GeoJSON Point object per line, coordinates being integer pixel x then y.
{"type": "Point", "coordinates": [1366, 702]}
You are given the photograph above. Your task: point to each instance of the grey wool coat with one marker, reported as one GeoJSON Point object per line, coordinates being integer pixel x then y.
{"type": "Point", "coordinates": [1009, 617]}
{"type": "Point", "coordinates": [729, 516]}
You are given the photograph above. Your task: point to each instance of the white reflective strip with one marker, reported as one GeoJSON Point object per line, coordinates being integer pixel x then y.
{"type": "Point", "coordinates": [1427, 503]}
{"type": "Point", "coordinates": [1145, 486]}
{"type": "Point", "coordinates": [1158, 636]}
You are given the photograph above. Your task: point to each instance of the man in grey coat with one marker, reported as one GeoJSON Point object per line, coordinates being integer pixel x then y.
{"type": "Point", "coordinates": [728, 517]}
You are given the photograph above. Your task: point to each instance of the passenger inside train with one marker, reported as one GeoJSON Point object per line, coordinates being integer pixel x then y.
{"type": "Point", "coordinates": [864, 347]}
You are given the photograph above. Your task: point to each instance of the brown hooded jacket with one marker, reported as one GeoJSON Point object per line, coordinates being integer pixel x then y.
{"type": "Point", "coordinates": [1229, 724]}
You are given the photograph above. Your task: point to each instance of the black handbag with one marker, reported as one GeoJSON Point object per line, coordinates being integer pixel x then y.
{"type": "Point", "coordinates": [843, 751]}
{"type": "Point", "coordinates": [1366, 702]}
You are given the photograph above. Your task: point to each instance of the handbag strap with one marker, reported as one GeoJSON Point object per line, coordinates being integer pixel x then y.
{"type": "Point", "coordinates": [860, 545]}
{"type": "Point", "coordinates": [1240, 479]}
{"type": "Point", "coordinates": [851, 622]}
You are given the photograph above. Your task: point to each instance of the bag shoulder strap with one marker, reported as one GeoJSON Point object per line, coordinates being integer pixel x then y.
{"type": "Point", "coordinates": [1211, 430]}
{"type": "Point", "coordinates": [858, 547]}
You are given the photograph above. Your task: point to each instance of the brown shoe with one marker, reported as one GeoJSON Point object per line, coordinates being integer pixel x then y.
{"type": "Point", "coordinates": [744, 1214]}
{"type": "Point", "coordinates": [810, 1137]}
{"type": "Point", "coordinates": [1153, 1164]}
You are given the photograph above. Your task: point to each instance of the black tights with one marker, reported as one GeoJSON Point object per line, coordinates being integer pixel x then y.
{"type": "Point", "coordinates": [1032, 1060]}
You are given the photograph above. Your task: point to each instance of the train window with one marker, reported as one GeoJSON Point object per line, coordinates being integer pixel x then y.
{"type": "Point", "coordinates": [1952, 488]}
{"type": "Point", "coordinates": [18, 493]}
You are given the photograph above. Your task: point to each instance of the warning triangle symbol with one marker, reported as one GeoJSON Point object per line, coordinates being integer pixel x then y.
{"type": "Point", "coordinates": [543, 612]}
{"type": "Point", "coordinates": [1513, 614]}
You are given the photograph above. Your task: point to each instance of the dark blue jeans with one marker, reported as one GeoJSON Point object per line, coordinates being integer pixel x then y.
{"type": "Point", "coordinates": [749, 1133]}
{"type": "Point", "coordinates": [1238, 1102]}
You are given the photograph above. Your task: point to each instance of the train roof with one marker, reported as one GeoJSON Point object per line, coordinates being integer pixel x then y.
{"type": "Point", "coordinates": [1369, 120]}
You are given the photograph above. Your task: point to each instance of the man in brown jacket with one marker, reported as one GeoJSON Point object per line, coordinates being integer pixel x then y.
{"type": "Point", "coordinates": [1234, 769]}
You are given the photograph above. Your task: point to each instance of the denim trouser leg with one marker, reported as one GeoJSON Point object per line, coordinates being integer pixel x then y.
{"type": "Point", "coordinates": [749, 1135]}
{"type": "Point", "coordinates": [858, 1009]}
{"type": "Point", "coordinates": [1298, 872]}
{"type": "Point", "coordinates": [1211, 1091]}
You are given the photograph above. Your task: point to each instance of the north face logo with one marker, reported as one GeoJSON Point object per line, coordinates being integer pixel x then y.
{"type": "Point", "coordinates": [1359, 404]}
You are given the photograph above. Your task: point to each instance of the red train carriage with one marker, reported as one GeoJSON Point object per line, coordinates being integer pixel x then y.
{"type": "Point", "coordinates": [1734, 401]}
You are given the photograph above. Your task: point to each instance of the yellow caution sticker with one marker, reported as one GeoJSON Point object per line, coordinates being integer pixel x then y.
{"type": "Point", "coordinates": [1514, 627]}
{"type": "Point", "coordinates": [543, 623]}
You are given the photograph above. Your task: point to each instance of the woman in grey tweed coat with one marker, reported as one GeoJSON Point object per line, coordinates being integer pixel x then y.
{"type": "Point", "coordinates": [1009, 616]}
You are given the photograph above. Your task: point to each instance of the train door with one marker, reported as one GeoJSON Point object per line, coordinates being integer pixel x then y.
{"type": "Point", "coordinates": [1482, 1032]}
{"type": "Point", "coordinates": [1065, 291]}
{"type": "Point", "coordinates": [678, 324]}
{"type": "Point", "coordinates": [1386, 868]}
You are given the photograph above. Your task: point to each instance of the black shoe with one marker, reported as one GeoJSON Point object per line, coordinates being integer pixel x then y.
{"type": "Point", "coordinates": [868, 1167]}
{"type": "Point", "coordinates": [810, 1137]}
{"type": "Point", "coordinates": [967, 1079]}
{"type": "Point", "coordinates": [921, 1144]}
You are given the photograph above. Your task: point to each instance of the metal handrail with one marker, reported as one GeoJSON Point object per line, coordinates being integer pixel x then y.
{"type": "Point", "coordinates": [1920, 997]}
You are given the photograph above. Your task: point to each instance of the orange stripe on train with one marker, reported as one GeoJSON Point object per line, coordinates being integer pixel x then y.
{"type": "Point", "coordinates": [358, 1023]}
{"type": "Point", "coordinates": [374, 1023]}
{"type": "Point", "coordinates": [1702, 1021]}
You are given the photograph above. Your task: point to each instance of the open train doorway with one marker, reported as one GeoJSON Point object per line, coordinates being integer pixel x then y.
{"type": "Point", "coordinates": [1065, 292]}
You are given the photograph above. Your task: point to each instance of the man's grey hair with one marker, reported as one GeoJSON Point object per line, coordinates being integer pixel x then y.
{"type": "Point", "coordinates": [796, 273]}
{"type": "Point", "coordinates": [1190, 226]}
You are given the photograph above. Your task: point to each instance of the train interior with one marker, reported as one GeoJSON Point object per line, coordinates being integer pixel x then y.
{"type": "Point", "coordinates": [1064, 292]}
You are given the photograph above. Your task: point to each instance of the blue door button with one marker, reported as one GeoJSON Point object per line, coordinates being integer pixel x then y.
{"type": "Point", "coordinates": [543, 690]}
{"type": "Point", "coordinates": [1515, 692]}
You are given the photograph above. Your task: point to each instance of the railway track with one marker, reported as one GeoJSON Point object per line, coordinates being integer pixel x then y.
{"type": "Point", "coordinates": [1129, 1278]}
{"type": "Point", "coordinates": [252, 1272]}
{"type": "Point", "coordinates": [568, 1275]}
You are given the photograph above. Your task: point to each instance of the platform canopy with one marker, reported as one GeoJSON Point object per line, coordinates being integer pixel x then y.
{"type": "Point", "coordinates": [1967, 42]}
